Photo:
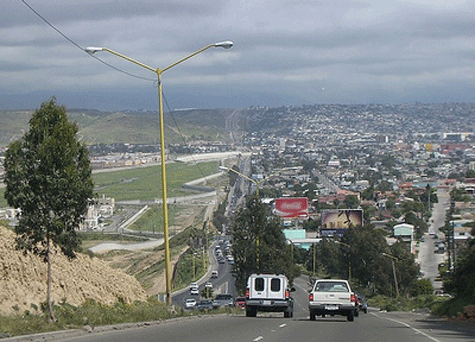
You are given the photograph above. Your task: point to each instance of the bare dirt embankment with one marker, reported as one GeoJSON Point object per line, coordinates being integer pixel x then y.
{"type": "Point", "coordinates": [23, 279]}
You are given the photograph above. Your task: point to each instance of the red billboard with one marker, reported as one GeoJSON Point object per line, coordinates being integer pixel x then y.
{"type": "Point", "coordinates": [290, 207]}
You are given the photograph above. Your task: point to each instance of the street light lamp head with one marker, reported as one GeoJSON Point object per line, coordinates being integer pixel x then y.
{"type": "Point", "coordinates": [226, 44]}
{"type": "Point", "coordinates": [92, 49]}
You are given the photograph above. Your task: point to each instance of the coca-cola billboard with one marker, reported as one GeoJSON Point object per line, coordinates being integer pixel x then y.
{"type": "Point", "coordinates": [290, 207]}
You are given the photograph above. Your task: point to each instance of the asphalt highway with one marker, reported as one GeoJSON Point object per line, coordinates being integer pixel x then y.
{"type": "Point", "coordinates": [375, 326]}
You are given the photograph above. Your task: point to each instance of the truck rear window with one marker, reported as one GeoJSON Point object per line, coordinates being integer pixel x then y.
{"type": "Point", "coordinates": [259, 284]}
{"type": "Point", "coordinates": [331, 287]}
{"type": "Point", "coordinates": [275, 285]}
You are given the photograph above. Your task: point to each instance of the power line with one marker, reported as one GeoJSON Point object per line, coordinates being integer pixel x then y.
{"type": "Point", "coordinates": [184, 140]}
{"type": "Point", "coordinates": [116, 69]}
{"type": "Point", "coordinates": [80, 47]}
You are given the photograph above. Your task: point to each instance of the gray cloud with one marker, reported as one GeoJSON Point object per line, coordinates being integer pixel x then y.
{"type": "Point", "coordinates": [285, 51]}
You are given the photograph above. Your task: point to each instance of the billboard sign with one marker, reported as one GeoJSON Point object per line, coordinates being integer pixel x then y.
{"type": "Point", "coordinates": [337, 221]}
{"type": "Point", "coordinates": [291, 207]}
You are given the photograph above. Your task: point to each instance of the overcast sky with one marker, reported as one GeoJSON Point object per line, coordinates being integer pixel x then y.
{"type": "Point", "coordinates": [286, 52]}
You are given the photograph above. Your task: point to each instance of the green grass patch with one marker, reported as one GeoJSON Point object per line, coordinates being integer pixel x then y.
{"type": "Point", "coordinates": [423, 302]}
{"type": "Point", "coordinates": [452, 307]}
{"type": "Point", "coordinates": [190, 267]}
{"type": "Point", "coordinates": [99, 236]}
{"type": "Point", "coordinates": [152, 219]}
{"type": "Point", "coordinates": [145, 183]}
{"type": "Point", "coordinates": [3, 201]}
{"type": "Point", "coordinates": [90, 313]}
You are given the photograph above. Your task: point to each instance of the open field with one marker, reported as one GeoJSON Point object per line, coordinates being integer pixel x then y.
{"type": "Point", "coordinates": [145, 183]}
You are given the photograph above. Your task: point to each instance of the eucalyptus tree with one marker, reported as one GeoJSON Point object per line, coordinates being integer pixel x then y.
{"type": "Point", "coordinates": [259, 244]}
{"type": "Point", "coordinates": [48, 177]}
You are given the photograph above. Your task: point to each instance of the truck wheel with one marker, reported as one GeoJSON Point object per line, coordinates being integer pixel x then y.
{"type": "Point", "coordinates": [251, 313]}
{"type": "Point", "coordinates": [288, 314]}
{"type": "Point", "coordinates": [313, 316]}
{"type": "Point", "coordinates": [351, 316]}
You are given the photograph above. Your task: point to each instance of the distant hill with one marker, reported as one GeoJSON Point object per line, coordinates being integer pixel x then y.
{"type": "Point", "coordinates": [129, 126]}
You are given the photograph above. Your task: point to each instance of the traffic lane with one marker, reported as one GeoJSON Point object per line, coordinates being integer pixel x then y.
{"type": "Point", "coordinates": [224, 283]}
{"type": "Point", "coordinates": [365, 328]}
{"type": "Point", "coordinates": [436, 328]}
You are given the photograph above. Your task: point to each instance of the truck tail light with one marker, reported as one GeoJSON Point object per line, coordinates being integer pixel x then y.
{"type": "Point", "coordinates": [247, 293]}
{"type": "Point", "coordinates": [287, 294]}
{"type": "Point", "coordinates": [310, 297]}
{"type": "Point", "coordinates": [353, 297]}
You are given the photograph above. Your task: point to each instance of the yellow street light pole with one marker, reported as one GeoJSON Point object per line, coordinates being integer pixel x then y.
{"type": "Point", "coordinates": [158, 71]}
{"type": "Point", "coordinates": [394, 271]}
{"type": "Point", "coordinates": [224, 168]}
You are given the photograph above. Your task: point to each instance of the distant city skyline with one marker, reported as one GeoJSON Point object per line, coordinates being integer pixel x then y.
{"type": "Point", "coordinates": [285, 52]}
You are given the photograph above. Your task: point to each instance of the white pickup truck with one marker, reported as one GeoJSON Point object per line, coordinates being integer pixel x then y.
{"type": "Point", "coordinates": [332, 297]}
{"type": "Point", "coordinates": [269, 293]}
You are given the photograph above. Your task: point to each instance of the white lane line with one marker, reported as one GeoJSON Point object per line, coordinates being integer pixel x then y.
{"type": "Point", "coordinates": [258, 338]}
{"type": "Point", "coordinates": [410, 326]}
{"type": "Point", "coordinates": [283, 325]}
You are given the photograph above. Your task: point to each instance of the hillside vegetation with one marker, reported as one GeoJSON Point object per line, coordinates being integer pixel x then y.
{"type": "Point", "coordinates": [134, 127]}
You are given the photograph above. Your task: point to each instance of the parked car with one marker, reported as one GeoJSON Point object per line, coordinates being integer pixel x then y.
{"type": "Point", "coordinates": [240, 302]}
{"type": "Point", "coordinates": [205, 305]}
{"type": "Point", "coordinates": [190, 303]}
{"type": "Point", "coordinates": [214, 274]}
{"type": "Point", "coordinates": [223, 299]}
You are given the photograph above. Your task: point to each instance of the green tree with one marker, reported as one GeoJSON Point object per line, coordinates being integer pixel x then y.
{"type": "Point", "coordinates": [362, 252]}
{"type": "Point", "coordinates": [406, 267]}
{"type": "Point", "coordinates": [461, 282]}
{"type": "Point", "coordinates": [423, 287]}
{"type": "Point", "coordinates": [48, 177]}
{"type": "Point", "coordinates": [259, 245]}
{"type": "Point", "coordinates": [352, 202]}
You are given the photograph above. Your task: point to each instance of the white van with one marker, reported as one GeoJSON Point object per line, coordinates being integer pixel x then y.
{"type": "Point", "coordinates": [269, 293]}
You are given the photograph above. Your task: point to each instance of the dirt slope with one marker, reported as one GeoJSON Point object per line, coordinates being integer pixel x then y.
{"type": "Point", "coordinates": [23, 279]}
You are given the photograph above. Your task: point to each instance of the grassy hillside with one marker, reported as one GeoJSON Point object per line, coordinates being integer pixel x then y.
{"type": "Point", "coordinates": [129, 126]}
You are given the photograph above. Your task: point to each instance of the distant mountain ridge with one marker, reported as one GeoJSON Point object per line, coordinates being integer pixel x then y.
{"type": "Point", "coordinates": [134, 127]}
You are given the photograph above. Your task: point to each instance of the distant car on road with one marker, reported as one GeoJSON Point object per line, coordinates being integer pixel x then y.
{"type": "Point", "coordinates": [223, 299]}
{"type": "Point", "coordinates": [214, 274]}
{"type": "Point", "coordinates": [194, 289]}
{"type": "Point", "coordinates": [205, 305]}
{"type": "Point", "coordinates": [240, 302]}
{"type": "Point", "coordinates": [190, 303]}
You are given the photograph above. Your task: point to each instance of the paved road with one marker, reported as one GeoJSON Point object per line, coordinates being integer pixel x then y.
{"type": "Point", "coordinates": [224, 283]}
{"type": "Point", "coordinates": [375, 326]}
{"type": "Point", "coordinates": [427, 256]}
